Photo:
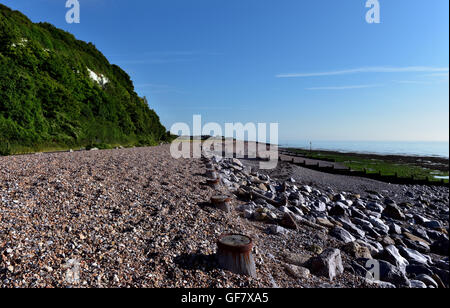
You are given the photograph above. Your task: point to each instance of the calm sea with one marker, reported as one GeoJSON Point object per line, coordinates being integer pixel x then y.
{"type": "Point", "coordinates": [439, 149]}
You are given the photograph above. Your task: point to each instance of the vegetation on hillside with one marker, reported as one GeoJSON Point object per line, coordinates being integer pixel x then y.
{"type": "Point", "coordinates": [48, 99]}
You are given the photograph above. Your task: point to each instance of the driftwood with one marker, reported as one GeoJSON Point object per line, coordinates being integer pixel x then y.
{"type": "Point", "coordinates": [234, 253]}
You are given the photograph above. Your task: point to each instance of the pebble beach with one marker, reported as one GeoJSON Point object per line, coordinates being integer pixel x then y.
{"type": "Point", "coordinates": [139, 218]}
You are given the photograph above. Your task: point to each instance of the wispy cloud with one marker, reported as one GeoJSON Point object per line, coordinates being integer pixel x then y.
{"type": "Point", "coordinates": [375, 69]}
{"type": "Point", "coordinates": [364, 86]}
{"type": "Point", "coordinates": [445, 75]}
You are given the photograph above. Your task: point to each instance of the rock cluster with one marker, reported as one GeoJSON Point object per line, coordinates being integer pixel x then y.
{"type": "Point", "coordinates": [389, 243]}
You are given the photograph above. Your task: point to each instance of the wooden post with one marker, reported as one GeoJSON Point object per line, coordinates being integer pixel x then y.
{"type": "Point", "coordinates": [221, 202]}
{"type": "Point", "coordinates": [214, 183]}
{"type": "Point", "coordinates": [234, 253]}
{"type": "Point", "coordinates": [211, 173]}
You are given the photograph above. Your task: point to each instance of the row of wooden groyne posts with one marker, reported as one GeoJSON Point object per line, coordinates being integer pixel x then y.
{"type": "Point", "coordinates": [393, 179]}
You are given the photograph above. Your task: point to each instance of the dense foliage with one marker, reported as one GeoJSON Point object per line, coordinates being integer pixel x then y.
{"type": "Point", "coordinates": [48, 99]}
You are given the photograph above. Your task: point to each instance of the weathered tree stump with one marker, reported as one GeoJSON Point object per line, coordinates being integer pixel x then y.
{"type": "Point", "coordinates": [221, 202]}
{"type": "Point", "coordinates": [214, 183]}
{"type": "Point", "coordinates": [234, 253]}
{"type": "Point", "coordinates": [211, 173]}
{"type": "Point", "coordinates": [209, 166]}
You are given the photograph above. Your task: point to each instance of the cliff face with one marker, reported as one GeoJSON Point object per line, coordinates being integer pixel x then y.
{"type": "Point", "coordinates": [58, 91]}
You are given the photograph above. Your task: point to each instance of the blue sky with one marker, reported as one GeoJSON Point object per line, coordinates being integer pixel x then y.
{"type": "Point", "coordinates": [315, 67]}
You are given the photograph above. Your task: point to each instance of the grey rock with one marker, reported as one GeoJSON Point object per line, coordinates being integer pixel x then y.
{"type": "Point", "coordinates": [350, 227]}
{"type": "Point", "coordinates": [375, 207]}
{"type": "Point", "coordinates": [319, 206]}
{"type": "Point", "coordinates": [379, 224]}
{"type": "Point", "coordinates": [392, 255]}
{"type": "Point", "coordinates": [385, 271]}
{"type": "Point", "coordinates": [392, 210]}
{"type": "Point", "coordinates": [413, 255]}
{"type": "Point", "coordinates": [342, 235]}
{"type": "Point", "coordinates": [277, 230]}
{"type": "Point", "coordinates": [297, 271]}
{"type": "Point", "coordinates": [338, 209]}
{"type": "Point", "coordinates": [328, 264]}
{"type": "Point", "coordinates": [433, 224]}
{"type": "Point", "coordinates": [427, 280]}
{"type": "Point", "coordinates": [417, 284]}
{"type": "Point", "coordinates": [394, 229]}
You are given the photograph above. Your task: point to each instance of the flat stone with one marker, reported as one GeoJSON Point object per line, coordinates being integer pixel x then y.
{"type": "Point", "coordinates": [324, 222]}
{"type": "Point", "coordinates": [356, 250]}
{"type": "Point", "coordinates": [342, 235]}
{"type": "Point", "coordinates": [299, 259]}
{"type": "Point", "coordinates": [413, 255]}
{"type": "Point", "coordinates": [297, 271]}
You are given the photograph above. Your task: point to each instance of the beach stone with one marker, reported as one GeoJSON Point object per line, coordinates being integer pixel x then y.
{"type": "Point", "coordinates": [298, 259]}
{"type": "Point", "coordinates": [356, 250]}
{"type": "Point", "coordinates": [307, 189]}
{"type": "Point", "coordinates": [433, 224]}
{"type": "Point", "coordinates": [414, 238]}
{"type": "Point", "coordinates": [342, 235]}
{"type": "Point", "coordinates": [392, 210]}
{"type": "Point", "coordinates": [288, 221]}
{"type": "Point", "coordinates": [350, 227]}
{"type": "Point", "coordinates": [319, 206]}
{"type": "Point", "coordinates": [394, 229]}
{"type": "Point", "coordinates": [441, 247]}
{"type": "Point", "coordinates": [338, 197]}
{"type": "Point", "coordinates": [379, 224]}
{"type": "Point", "coordinates": [276, 230]}
{"type": "Point", "coordinates": [413, 255]}
{"type": "Point", "coordinates": [339, 209]}
{"type": "Point", "coordinates": [297, 271]}
{"type": "Point", "coordinates": [418, 269]}
{"type": "Point", "coordinates": [385, 271]}
{"type": "Point", "coordinates": [328, 264]}
{"type": "Point", "coordinates": [375, 207]}
{"type": "Point", "coordinates": [417, 284]}
{"type": "Point", "coordinates": [427, 280]}
{"type": "Point", "coordinates": [363, 223]}
{"type": "Point", "coordinates": [392, 255]}
{"type": "Point", "coordinates": [248, 214]}
{"type": "Point", "coordinates": [324, 222]}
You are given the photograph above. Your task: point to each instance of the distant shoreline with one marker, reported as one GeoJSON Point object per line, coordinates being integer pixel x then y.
{"type": "Point", "coordinates": [432, 149]}
{"type": "Point", "coordinates": [369, 153]}
{"type": "Point", "coordinates": [404, 165]}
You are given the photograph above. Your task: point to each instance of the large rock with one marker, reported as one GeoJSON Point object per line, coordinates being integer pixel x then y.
{"type": "Point", "coordinates": [417, 284]}
{"type": "Point", "coordinates": [392, 210]}
{"type": "Point", "coordinates": [384, 271]}
{"type": "Point", "coordinates": [379, 225]}
{"type": "Point", "coordinates": [339, 209]}
{"type": "Point", "coordinates": [289, 221]}
{"type": "Point", "coordinates": [427, 280]}
{"type": "Point", "coordinates": [319, 206]}
{"type": "Point", "coordinates": [440, 247]}
{"type": "Point", "coordinates": [328, 264]}
{"type": "Point", "coordinates": [413, 255]}
{"type": "Point", "coordinates": [392, 255]}
{"type": "Point", "coordinates": [297, 271]}
{"type": "Point", "coordinates": [350, 227]}
{"type": "Point", "coordinates": [342, 235]}
{"type": "Point", "coordinates": [298, 259]}
{"type": "Point", "coordinates": [433, 224]}
{"type": "Point", "coordinates": [375, 207]}
{"type": "Point", "coordinates": [357, 251]}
